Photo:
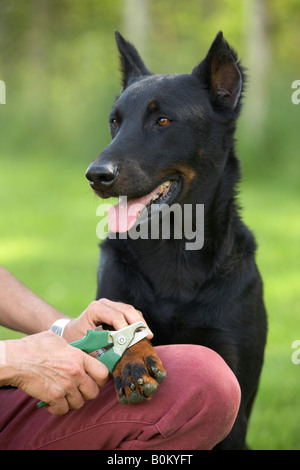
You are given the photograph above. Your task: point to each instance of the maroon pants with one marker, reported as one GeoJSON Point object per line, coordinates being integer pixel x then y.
{"type": "Point", "coordinates": [194, 408]}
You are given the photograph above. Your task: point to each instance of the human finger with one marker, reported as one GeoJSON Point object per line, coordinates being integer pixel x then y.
{"type": "Point", "coordinates": [75, 399]}
{"type": "Point", "coordinates": [98, 312]}
{"type": "Point", "coordinates": [97, 375]}
{"type": "Point", "coordinates": [59, 407]}
{"type": "Point", "coordinates": [128, 313]}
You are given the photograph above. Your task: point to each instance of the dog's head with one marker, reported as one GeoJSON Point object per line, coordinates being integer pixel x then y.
{"type": "Point", "coordinates": [171, 134]}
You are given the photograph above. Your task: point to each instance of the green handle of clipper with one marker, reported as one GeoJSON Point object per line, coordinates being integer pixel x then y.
{"type": "Point", "coordinates": [41, 404]}
{"type": "Point", "coordinates": [92, 341]}
{"type": "Point", "coordinates": [110, 359]}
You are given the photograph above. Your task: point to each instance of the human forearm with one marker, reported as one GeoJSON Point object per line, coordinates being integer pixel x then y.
{"type": "Point", "coordinates": [21, 309]}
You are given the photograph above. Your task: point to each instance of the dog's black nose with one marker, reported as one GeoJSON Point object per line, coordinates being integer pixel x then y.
{"type": "Point", "coordinates": [102, 174]}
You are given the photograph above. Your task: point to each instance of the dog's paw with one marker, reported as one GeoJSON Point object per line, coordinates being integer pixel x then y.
{"type": "Point", "coordinates": [138, 374]}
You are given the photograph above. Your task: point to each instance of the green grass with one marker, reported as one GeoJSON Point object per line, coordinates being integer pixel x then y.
{"type": "Point", "coordinates": [48, 240]}
{"type": "Point", "coordinates": [48, 234]}
{"type": "Point", "coordinates": [272, 211]}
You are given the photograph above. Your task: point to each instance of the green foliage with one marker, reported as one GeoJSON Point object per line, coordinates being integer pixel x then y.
{"type": "Point", "coordinates": [60, 65]}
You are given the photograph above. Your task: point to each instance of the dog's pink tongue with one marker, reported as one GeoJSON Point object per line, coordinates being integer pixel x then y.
{"type": "Point", "coordinates": [123, 215]}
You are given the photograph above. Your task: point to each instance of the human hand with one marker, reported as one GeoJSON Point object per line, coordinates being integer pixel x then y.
{"type": "Point", "coordinates": [47, 368]}
{"type": "Point", "coordinates": [116, 314]}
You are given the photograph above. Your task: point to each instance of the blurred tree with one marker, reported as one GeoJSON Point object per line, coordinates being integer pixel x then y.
{"type": "Point", "coordinates": [59, 62]}
{"type": "Point", "coordinates": [258, 45]}
{"type": "Point", "coordinates": [136, 23]}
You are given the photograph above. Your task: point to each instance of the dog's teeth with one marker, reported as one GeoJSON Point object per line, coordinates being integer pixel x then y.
{"type": "Point", "coordinates": [162, 189]}
{"type": "Point", "coordinates": [164, 185]}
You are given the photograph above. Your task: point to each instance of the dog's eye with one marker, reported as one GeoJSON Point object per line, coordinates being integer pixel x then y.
{"type": "Point", "coordinates": [115, 123]}
{"type": "Point", "coordinates": [163, 121]}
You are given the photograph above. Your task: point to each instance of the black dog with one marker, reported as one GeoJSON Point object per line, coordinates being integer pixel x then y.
{"type": "Point", "coordinates": [173, 142]}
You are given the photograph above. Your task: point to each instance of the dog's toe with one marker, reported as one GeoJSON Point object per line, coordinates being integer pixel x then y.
{"type": "Point", "coordinates": [135, 397]}
{"type": "Point", "coordinates": [148, 389]}
{"type": "Point", "coordinates": [158, 373]}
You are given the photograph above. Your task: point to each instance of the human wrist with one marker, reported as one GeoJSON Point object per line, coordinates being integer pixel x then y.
{"type": "Point", "coordinates": [2, 353]}
{"type": "Point", "coordinates": [17, 353]}
{"type": "Point", "coordinates": [59, 325]}
{"type": "Point", "coordinates": [7, 371]}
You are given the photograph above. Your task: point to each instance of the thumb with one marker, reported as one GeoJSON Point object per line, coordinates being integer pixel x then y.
{"type": "Point", "coordinates": [95, 369]}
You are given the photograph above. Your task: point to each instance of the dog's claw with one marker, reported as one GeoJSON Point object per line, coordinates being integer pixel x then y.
{"type": "Point", "coordinates": [123, 400]}
{"type": "Point", "coordinates": [122, 396]}
{"type": "Point", "coordinates": [160, 376]}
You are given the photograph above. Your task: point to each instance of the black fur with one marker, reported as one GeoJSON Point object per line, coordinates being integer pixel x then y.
{"type": "Point", "coordinates": [212, 296]}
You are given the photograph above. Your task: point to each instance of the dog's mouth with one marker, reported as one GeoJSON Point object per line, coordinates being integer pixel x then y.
{"type": "Point", "coordinates": [127, 212]}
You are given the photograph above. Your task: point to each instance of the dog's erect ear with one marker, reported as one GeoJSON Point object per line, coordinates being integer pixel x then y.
{"type": "Point", "coordinates": [220, 73]}
{"type": "Point", "coordinates": [132, 65]}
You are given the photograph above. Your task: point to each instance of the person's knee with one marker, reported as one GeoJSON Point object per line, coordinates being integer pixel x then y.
{"type": "Point", "coordinates": [222, 395]}
{"type": "Point", "coordinates": [222, 386]}
{"type": "Point", "coordinates": [207, 393]}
